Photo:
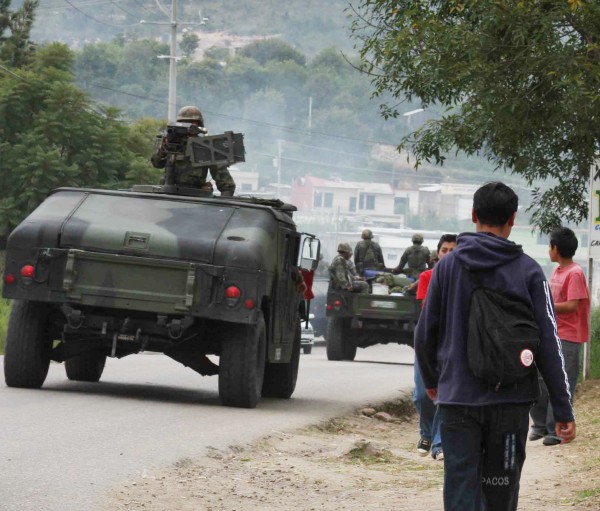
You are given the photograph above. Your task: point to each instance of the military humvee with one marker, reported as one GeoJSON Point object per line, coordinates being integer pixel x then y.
{"type": "Point", "coordinates": [98, 273]}
{"type": "Point", "coordinates": [363, 320]}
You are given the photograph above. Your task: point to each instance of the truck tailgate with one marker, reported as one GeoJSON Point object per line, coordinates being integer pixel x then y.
{"type": "Point", "coordinates": [129, 282]}
{"type": "Point", "coordinates": [384, 307]}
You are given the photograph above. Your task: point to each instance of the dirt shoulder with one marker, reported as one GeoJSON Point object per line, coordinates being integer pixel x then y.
{"type": "Point", "coordinates": [358, 462]}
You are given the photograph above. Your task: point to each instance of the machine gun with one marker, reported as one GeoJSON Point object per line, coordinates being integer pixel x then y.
{"type": "Point", "coordinates": [204, 151]}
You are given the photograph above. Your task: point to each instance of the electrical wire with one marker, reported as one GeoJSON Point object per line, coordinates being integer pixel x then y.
{"type": "Point", "coordinates": [98, 21]}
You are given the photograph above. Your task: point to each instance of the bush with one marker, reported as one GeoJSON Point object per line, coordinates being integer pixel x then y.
{"type": "Point", "coordinates": [4, 312]}
{"type": "Point", "coordinates": [595, 344]}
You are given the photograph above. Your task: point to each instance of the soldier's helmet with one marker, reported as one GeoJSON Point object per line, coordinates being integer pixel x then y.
{"type": "Point", "coordinates": [367, 234]}
{"type": "Point", "coordinates": [189, 114]}
{"type": "Point", "coordinates": [417, 238]}
{"type": "Point", "coordinates": [344, 247]}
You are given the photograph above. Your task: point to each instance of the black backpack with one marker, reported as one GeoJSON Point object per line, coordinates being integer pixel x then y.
{"type": "Point", "coordinates": [503, 337]}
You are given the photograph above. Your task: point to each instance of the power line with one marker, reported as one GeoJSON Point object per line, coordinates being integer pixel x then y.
{"type": "Point", "coordinates": [6, 70]}
{"type": "Point", "coordinates": [98, 21]}
{"type": "Point", "coordinates": [291, 129]}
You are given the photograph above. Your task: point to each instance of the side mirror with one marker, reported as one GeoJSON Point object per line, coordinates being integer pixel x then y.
{"type": "Point", "coordinates": [309, 256]}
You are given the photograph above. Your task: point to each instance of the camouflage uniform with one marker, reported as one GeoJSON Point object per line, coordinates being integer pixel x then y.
{"type": "Point", "coordinates": [342, 274]}
{"type": "Point", "coordinates": [193, 176]}
{"type": "Point", "coordinates": [417, 258]}
{"type": "Point", "coordinates": [368, 256]}
{"type": "Point", "coordinates": [395, 283]}
{"type": "Point", "coordinates": [189, 174]}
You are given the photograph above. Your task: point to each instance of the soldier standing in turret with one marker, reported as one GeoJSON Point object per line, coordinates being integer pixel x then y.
{"type": "Point", "coordinates": [368, 254]}
{"type": "Point", "coordinates": [416, 257]}
{"type": "Point", "coordinates": [342, 273]}
{"type": "Point", "coordinates": [189, 174]}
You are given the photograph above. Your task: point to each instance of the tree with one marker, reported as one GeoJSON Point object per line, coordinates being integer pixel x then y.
{"type": "Point", "coordinates": [518, 80]}
{"type": "Point", "coordinates": [189, 43]}
{"type": "Point", "coordinates": [272, 49]}
{"type": "Point", "coordinates": [15, 47]}
{"type": "Point", "coordinates": [53, 136]}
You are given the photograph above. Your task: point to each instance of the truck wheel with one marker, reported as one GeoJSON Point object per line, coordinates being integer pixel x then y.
{"type": "Point", "coordinates": [280, 379]}
{"type": "Point", "coordinates": [28, 345]}
{"type": "Point", "coordinates": [307, 350]}
{"type": "Point", "coordinates": [337, 345]}
{"type": "Point", "coordinates": [86, 367]}
{"type": "Point", "coordinates": [242, 365]}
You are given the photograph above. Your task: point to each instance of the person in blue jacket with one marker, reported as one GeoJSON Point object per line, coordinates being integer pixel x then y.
{"type": "Point", "coordinates": [484, 430]}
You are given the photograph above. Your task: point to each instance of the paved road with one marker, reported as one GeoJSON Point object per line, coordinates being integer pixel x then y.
{"type": "Point", "coordinates": [64, 446]}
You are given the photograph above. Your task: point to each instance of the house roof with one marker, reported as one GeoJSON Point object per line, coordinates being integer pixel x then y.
{"type": "Point", "coordinates": [380, 188]}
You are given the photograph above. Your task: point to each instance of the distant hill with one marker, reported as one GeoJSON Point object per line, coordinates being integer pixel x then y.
{"type": "Point", "coordinates": [309, 25]}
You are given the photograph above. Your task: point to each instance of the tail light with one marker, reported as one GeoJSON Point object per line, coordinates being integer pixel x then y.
{"type": "Point", "coordinates": [27, 271]}
{"type": "Point", "coordinates": [9, 279]}
{"type": "Point", "coordinates": [232, 295]}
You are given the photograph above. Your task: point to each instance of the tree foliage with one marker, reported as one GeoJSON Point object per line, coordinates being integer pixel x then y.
{"type": "Point", "coordinates": [15, 25]}
{"type": "Point", "coordinates": [272, 49]}
{"type": "Point", "coordinates": [53, 136]}
{"type": "Point", "coordinates": [519, 82]}
{"type": "Point", "coordinates": [189, 43]}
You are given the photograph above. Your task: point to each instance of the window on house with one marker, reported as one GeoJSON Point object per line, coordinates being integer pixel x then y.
{"type": "Point", "coordinates": [328, 200]}
{"type": "Point", "coordinates": [318, 200]}
{"type": "Point", "coordinates": [366, 201]}
{"type": "Point", "coordinates": [246, 187]}
{"type": "Point", "coordinates": [352, 205]}
{"type": "Point", "coordinates": [401, 206]}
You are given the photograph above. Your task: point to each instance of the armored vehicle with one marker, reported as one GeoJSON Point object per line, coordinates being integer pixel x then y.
{"type": "Point", "coordinates": [361, 320]}
{"type": "Point", "coordinates": [97, 273]}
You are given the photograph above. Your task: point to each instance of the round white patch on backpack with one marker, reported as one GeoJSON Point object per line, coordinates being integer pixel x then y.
{"type": "Point", "coordinates": [526, 358]}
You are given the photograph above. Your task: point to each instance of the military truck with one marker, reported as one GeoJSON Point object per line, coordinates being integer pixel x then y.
{"type": "Point", "coordinates": [99, 273]}
{"type": "Point", "coordinates": [360, 320]}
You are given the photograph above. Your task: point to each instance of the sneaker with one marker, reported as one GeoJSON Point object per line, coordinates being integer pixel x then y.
{"type": "Point", "coordinates": [535, 436]}
{"type": "Point", "coordinates": [438, 455]}
{"type": "Point", "coordinates": [551, 440]}
{"type": "Point", "coordinates": [424, 446]}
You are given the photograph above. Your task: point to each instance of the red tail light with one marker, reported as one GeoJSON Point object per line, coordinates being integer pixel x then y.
{"type": "Point", "coordinates": [232, 295]}
{"type": "Point", "coordinates": [232, 292]}
{"type": "Point", "coordinates": [9, 279]}
{"type": "Point", "coordinates": [27, 271]}
{"type": "Point", "coordinates": [249, 304]}
{"type": "Point", "coordinates": [329, 307]}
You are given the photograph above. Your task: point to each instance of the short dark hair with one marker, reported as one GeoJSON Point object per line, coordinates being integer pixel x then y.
{"type": "Point", "coordinates": [446, 238]}
{"type": "Point", "coordinates": [564, 240]}
{"type": "Point", "coordinates": [494, 203]}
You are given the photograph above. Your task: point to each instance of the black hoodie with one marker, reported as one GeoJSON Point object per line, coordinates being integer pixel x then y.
{"type": "Point", "coordinates": [441, 333]}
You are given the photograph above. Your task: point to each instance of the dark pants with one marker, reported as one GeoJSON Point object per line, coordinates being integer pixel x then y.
{"type": "Point", "coordinates": [542, 415]}
{"type": "Point", "coordinates": [484, 452]}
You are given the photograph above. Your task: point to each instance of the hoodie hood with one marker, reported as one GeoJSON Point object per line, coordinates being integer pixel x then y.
{"type": "Point", "coordinates": [481, 251]}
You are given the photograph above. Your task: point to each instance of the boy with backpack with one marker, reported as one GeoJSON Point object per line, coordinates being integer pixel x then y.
{"type": "Point", "coordinates": [483, 425]}
{"type": "Point", "coordinates": [572, 308]}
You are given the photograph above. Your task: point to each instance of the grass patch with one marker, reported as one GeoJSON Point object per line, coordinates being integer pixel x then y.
{"type": "Point", "coordinates": [587, 496]}
{"type": "Point", "coordinates": [595, 344]}
{"type": "Point", "coordinates": [335, 426]}
{"type": "Point", "coordinates": [367, 454]}
{"type": "Point", "coordinates": [401, 408]}
{"type": "Point", "coordinates": [4, 313]}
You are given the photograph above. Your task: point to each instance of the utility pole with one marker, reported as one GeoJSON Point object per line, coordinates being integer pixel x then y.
{"type": "Point", "coordinates": [279, 167]}
{"type": "Point", "coordinates": [172, 110]}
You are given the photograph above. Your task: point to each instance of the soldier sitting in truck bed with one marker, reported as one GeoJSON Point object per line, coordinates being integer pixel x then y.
{"type": "Point", "coordinates": [191, 176]}
{"type": "Point", "coordinates": [342, 273]}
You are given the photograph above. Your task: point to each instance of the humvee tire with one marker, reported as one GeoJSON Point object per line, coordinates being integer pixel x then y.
{"type": "Point", "coordinates": [280, 379]}
{"type": "Point", "coordinates": [307, 350]}
{"type": "Point", "coordinates": [28, 345]}
{"type": "Point", "coordinates": [242, 365]}
{"type": "Point", "coordinates": [338, 347]}
{"type": "Point", "coordinates": [86, 367]}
